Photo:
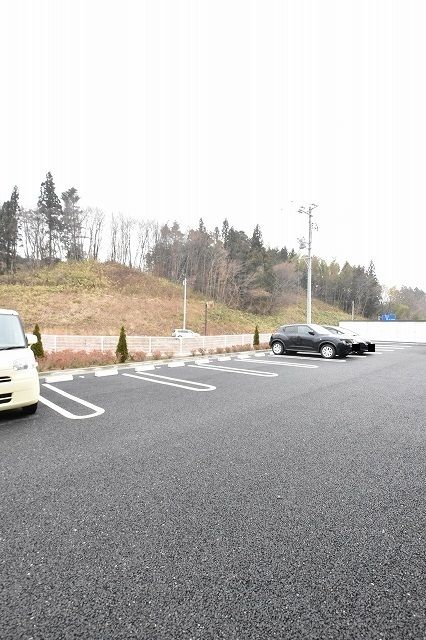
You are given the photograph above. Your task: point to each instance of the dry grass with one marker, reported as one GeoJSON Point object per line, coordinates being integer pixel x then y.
{"type": "Point", "coordinates": [91, 298]}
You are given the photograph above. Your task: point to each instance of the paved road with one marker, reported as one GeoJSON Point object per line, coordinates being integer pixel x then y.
{"type": "Point", "coordinates": [255, 507]}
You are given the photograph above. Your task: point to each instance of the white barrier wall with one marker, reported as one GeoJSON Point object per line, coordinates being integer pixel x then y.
{"type": "Point", "coordinates": [148, 344]}
{"type": "Point", "coordinates": [392, 330]}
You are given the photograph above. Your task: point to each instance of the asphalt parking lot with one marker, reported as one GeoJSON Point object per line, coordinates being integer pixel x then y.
{"type": "Point", "coordinates": [268, 497]}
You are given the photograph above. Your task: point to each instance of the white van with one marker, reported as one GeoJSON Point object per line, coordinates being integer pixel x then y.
{"type": "Point", "coordinates": [19, 383]}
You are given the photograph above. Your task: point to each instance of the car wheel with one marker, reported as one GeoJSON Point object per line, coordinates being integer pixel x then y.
{"type": "Point", "coordinates": [277, 348]}
{"type": "Point", "coordinates": [328, 351]}
{"type": "Point", "coordinates": [30, 409]}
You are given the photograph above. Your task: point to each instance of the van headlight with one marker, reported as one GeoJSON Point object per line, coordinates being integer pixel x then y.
{"type": "Point", "coordinates": [23, 363]}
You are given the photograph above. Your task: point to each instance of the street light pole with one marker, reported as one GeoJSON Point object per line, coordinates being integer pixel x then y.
{"type": "Point", "coordinates": [308, 211]}
{"type": "Point", "coordinates": [184, 303]}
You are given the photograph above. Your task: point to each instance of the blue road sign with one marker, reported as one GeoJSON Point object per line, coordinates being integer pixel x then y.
{"type": "Point", "coordinates": [388, 316]}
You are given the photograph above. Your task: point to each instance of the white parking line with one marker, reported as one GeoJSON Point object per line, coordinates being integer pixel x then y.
{"type": "Point", "coordinates": [97, 410]}
{"type": "Point", "coordinates": [187, 384]}
{"type": "Point", "coordinates": [315, 358]}
{"type": "Point", "coordinates": [245, 372]}
{"type": "Point", "coordinates": [285, 364]}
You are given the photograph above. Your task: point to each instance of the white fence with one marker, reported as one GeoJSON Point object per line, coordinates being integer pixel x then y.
{"type": "Point", "coordinates": [148, 344]}
{"type": "Point", "coordinates": [393, 330]}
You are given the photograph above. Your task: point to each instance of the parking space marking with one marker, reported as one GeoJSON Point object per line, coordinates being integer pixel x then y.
{"type": "Point", "coordinates": [172, 382]}
{"type": "Point", "coordinates": [314, 358]}
{"type": "Point", "coordinates": [97, 411]}
{"type": "Point", "coordinates": [285, 364]}
{"type": "Point", "coordinates": [246, 372]}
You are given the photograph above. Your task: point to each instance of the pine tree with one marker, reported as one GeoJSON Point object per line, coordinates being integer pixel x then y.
{"type": "Point", "coordinates": [50, 207]}
{"type": "Point", "coordinates": [256, 340]}
{"type": "Point", "coordinates": [122, 352]}
{"type": "Point", "coordinates": [72, 225]}
{"type": "Point", "coordinates": [37, 348]}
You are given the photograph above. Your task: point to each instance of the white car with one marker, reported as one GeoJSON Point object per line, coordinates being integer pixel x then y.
{"type": "Point", "coordinates": [364, 344]}
{"type": "Point", "coordinates": [184, 333]}
{"type": "Point", "coordinates": [19, 382]}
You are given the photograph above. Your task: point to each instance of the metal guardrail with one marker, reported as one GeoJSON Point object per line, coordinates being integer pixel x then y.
{"type": "Point", "coordinates": [148, 344]}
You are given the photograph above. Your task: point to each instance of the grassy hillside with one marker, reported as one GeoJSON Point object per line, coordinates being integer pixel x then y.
{"type": "Point", "coordinates": [94, 298]}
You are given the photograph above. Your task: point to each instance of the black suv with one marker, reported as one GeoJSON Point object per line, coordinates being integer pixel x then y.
{"type": "Point", "coordinates": [310, 338]}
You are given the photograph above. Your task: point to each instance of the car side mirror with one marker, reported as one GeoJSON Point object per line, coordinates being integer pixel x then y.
{"type": "Point", "coordinates": [311, 333]}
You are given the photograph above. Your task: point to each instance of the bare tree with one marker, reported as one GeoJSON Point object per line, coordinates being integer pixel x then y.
{"type": "Point", "coordinates": [93, 222]}
{"type": "Point", "coordinates": [33, 235]}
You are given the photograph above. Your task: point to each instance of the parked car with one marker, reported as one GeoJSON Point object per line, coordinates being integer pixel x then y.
{"type": "Point", "coordinates": [184, 333]}
{"type": "Point", "coordinates": [364, 344]}
{"type": "Point", "coordinates": [309, 338]}
{"type": "Point", "coordinates": [19, 382]}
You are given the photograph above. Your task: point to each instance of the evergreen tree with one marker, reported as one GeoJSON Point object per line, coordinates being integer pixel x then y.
{"type": "Point", "coordinates": [122, 352]}
{"type": "Point", "coordinates": [374, 292]}
{"type": "Point", "coordinates": [9, 236]}
{"type": "Point", "coordinates": [225, 231]}
{"type": "Point", "coordinates": [72, 237]}
{"type": "Point", "coordinates": [256, 340]}
{"type": "Point", "coordinates": [50, 208]}
{"type": "Point", "coordinates": [37, 348]}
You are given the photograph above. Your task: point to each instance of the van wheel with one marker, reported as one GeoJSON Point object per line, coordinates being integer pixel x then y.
{"type": "Point", "coordinates": [32, 408]}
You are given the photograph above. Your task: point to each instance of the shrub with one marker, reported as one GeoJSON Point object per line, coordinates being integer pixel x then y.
{"type": "Point", "coordinates": [212, 351]}
{"type": "Point", "coordinates": [202, 351]}
{"type": "Point", "coordinates": [194, 352]}
{"type": "Point", "coordinates": [256, 340]}
{"type": "Point", "coordinates": [138, 356]}
{"type": "Point", "coordinates": [122, 352]}
{"type": "Point", "coordinates": [169, 354]}
{"type": "Point", "coordinates": [219, 349]}
{"type": "Point", "coordinates": [37, 348]}
{"type": "Point", "coordinates": [228, 349]}
{"type": "Point", "coordinates": [156, 355]}
{"type": "Point", "coordinates": [69, 359]}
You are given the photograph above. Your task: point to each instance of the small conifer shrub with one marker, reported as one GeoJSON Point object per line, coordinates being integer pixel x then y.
{"type": "Point", "coordinates": [37, 348]}
{"type": "Point", "coordinates": [256, 339]}
{"type": "Point", "coordinates": [122, 352]}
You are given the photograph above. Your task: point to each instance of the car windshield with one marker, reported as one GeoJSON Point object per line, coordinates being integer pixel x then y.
{"type": "Point", "coordinates": [319, 329]}
{"type": "Point", "coordinates": [11, 333]}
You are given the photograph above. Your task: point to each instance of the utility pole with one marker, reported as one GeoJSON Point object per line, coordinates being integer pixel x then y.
{"type": "Point", "coordinates": [308, 212]}
{"type": "Point", "coordinates": [184, 303]}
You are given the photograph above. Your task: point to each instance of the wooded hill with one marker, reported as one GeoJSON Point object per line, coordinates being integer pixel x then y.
{"type": "Point", "coordinates": [94, 298]}
{"type": "Point", "coordinates": [224, 265]}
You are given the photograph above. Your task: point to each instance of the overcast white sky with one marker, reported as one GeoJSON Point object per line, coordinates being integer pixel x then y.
{"type": "Point", "coordinates": [244, 109]}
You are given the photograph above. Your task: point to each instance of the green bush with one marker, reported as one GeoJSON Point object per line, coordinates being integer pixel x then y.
{"type": "Point", "coordinates": [256, 339]}
{"type": "Point", "coordinates": [122, 351]}
{"type": "Point", "coordinates": [37, 348]}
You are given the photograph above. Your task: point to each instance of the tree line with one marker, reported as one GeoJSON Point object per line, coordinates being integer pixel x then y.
{"type": "Point", "coordinates": [225, 264]}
